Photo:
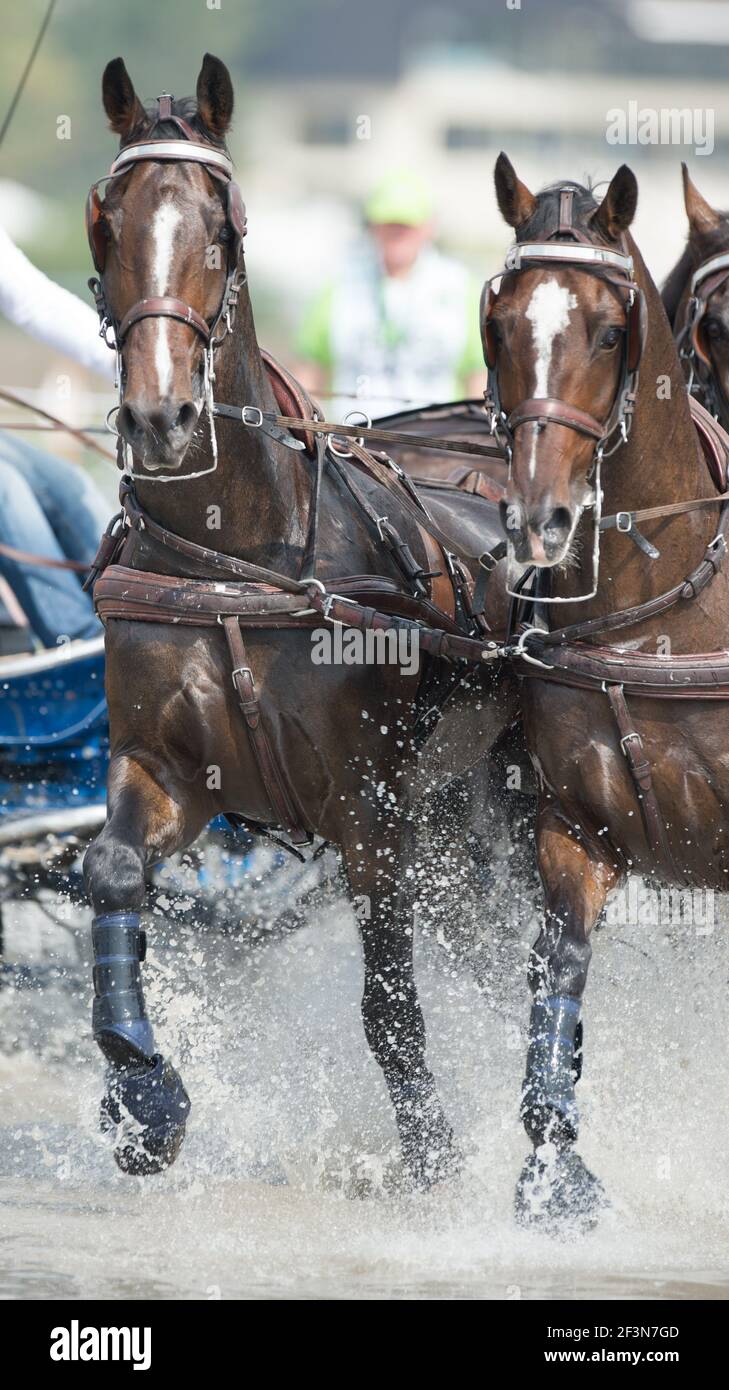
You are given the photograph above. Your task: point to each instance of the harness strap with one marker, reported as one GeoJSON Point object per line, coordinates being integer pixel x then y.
{"type": "Point", "coordinates": [640, 771]}
{"type": "Point", "coordinates": [138, 596]}
{"type": "Point", "coordinates": [696, 504]}
{"type": "Point", "coordinates": [273, 775]}
{"type": "Point", "coordinates": [551, 411]}
{"type": "Point", "coordinates": [418, 512]}
{"type": "Point", "coordinates": [688, 588]}
{"type": "Point", "coordinates": [163, 306]}
{"type": "Point", "coordinates": [142, 524]}
{"type": "Point", "coordinates": [328, 427]}
{"type": "Point", "coordinates": [127, 593]}
{"type": "Point", "coordinates": [435, 641]}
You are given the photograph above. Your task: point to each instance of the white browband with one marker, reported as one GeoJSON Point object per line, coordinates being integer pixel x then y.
{"type": "Point", "coordinates": [568, 252]}
{"type": "Point", "coordinates": [716, 263]}
{"type": "Point", "coordinates": [173, 149]}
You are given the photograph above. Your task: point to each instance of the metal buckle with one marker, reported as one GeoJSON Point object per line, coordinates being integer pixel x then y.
{"type": "Point", "coordinates": [366, 421]}
{"type": "Point", "coordinates": [716, 551]}
{"type": "Point", "coordinates": [238, 671]}
{"type": "Point", "coordinates": [494, 562]}
{"type": "Point", "coordinates": [627, 737]}
{"type": "Point", "coordinates": [338, 446]}
{"type": "Point", "coordinates": [245, 415]}
{"type": "Point", "coordinates": [335, 598]}
{"type": "Point", "coordinates": [519, 649]}
{"type": "Point", "coordinates": [619, 522]}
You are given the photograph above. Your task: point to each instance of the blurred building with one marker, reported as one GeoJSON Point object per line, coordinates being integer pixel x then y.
{"type": "Point", "coordinates": [329, 95]}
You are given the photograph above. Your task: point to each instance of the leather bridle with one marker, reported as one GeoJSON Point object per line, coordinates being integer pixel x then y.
{"type": "Point", "coordinates": [691, 340]}
{"type": "Point", "coordinates": [188, 149]}
{"type": "Point", "coordinates": [568, 245]}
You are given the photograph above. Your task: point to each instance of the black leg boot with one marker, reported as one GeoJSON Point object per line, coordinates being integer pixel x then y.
{"type": "Point", "coordinates": [145, 1102]}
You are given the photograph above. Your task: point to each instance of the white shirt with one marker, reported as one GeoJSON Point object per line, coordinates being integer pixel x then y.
{"type": "Point", "coordinates": [400, 340]}
{"type": "Point", "coordinates": [44, 309]}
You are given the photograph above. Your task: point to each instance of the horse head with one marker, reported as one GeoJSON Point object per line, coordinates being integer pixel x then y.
{"type": "Point", "coordinates": [562, 340]}
{"type": "Point", "coordinates": [696, 297]}
{"type": "Point", "coordinates": [166, 242]}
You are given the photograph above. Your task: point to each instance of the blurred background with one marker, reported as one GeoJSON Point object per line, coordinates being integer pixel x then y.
{"type": "Point", "coordinates": [332, 95]}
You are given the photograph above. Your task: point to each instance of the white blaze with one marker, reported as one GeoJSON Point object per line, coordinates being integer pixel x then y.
{"type": "Point", "coordinates": [549, 314]}
{"type": "Point", "coordinates": [166, 219]}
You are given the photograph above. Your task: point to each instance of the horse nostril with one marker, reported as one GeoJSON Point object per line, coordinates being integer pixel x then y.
{"type": "Point", "coordinates": [558, 524]}
{"type": "Point", "coordinates": [186, 418]}
{"type": "Point", "coordinates": [129, 424]}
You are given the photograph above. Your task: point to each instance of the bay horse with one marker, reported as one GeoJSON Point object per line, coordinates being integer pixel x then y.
{"type": "Point", "coordinates": [261, 534]}
{"type": "Point", "coordinates": [696, 299]}
{"type": "Point", "coordinates": [611, 516]}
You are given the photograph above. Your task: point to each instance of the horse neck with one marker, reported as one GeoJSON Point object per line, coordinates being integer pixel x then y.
{"type": "Point", "coordinates": [661, 463]}
{"type": "Point", "coordinates": [676, 288]}
{"type": "Point", "coordinates": [254, 505]}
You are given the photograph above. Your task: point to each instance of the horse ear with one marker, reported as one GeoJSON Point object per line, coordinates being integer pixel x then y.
{"type": "Point", "coordinates": [215, 95]}
{"type": "Point", "coordinates": [121, 103]}
{"type": "Point", "coordinates": [516, 203]}
{"type": "Point", "coordinates": [701, 215]}
{"type": "Point", "coordinates": [617, 209]}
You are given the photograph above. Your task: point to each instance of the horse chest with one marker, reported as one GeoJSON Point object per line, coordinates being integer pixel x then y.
{"type": "Point", "coordinates": [584, 775]}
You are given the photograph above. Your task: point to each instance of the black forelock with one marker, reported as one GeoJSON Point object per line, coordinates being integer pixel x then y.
{"type": "Point", "coordinates": [545, 218]}
{"type": "Point", "coordinates": [153, 128]}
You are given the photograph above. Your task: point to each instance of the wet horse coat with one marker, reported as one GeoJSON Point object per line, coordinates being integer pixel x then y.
{"type": "Point", "coordinates": [181, 753]}
{"type": "Point", "coordinates": [590, 831]}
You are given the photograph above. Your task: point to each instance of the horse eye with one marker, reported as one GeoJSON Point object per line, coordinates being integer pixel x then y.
{"type": "Point", "coordinates": [611, 337]}
{"type": "Point", "coordinates": [224, 235]}
{"type": "Point", "coordinates": [713, 328]}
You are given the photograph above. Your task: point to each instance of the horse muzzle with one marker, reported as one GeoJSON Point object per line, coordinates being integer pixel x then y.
{"type": "Point", "coordinates": [538, 535]}
{"type": "Point", "coordinates": [158, 435]}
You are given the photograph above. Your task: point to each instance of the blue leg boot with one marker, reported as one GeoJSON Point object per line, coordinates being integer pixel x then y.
{"type": "Point", "coordinates": [145, 1103]}
{"type": "Point", "coordinates": [556, 1190]}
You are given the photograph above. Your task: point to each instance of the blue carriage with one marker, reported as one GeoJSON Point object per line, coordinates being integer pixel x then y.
{"type": "Point", "coordinates": [54, 748]}
{"type": "Point", "coordinates": [53, 742]}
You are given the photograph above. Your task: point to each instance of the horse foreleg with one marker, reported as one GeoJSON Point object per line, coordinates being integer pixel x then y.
{"type": "Point", "coordinates": [555, 1184]}
{"type": "Point", "coordinates": [377, 860]}
{"type": "Point", "coordinates": [145, 1101]}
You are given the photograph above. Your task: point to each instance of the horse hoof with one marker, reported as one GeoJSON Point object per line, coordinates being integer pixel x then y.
{"type": "Point", "coordinates": [146, 1108]}
{"type": "Point", "coordinates": [429, 1147]}
{"type": "Point", "coordinates": [556, 1193]}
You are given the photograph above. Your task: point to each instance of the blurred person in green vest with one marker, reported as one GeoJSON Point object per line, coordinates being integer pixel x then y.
{"type": "Point", "coordinates": [398, 327]}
